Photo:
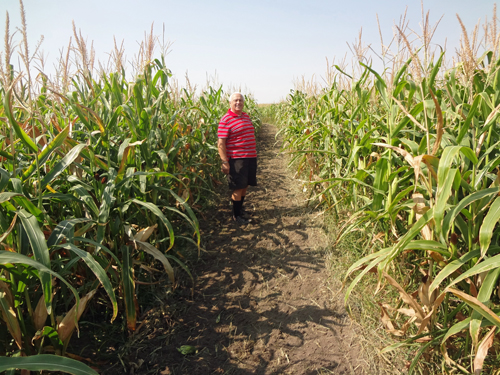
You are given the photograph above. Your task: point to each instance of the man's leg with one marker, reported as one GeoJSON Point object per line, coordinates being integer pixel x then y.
{"type": "Point", "coordinates": [238, 194]}
{"type": "Point", "coordinates": [243, 193]}
{"type": "Point", "coordinates": [237, 201]}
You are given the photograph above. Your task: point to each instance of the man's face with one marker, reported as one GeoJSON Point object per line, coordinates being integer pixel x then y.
{"type": "Point", "coordinates": [237, 104]}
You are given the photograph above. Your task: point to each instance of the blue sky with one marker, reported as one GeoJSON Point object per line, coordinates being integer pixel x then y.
{"type": "Point", "coordinates": [260, 46]}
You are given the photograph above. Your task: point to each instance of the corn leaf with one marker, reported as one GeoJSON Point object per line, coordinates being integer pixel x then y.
{"type": "Point", "coordinates": [488, 226]}
{"type": "Point", "coordinates": [485, 265]}
{"type": "Point", "coordinates": [62, 230]}
{"type": "Point", "coordinates": [107, 201]}
{"type": "Point", "coordinates": [451, 268]}
{"type": "Point", "coordinates": [7, 257]}
{"type": "Point", "coordinates": [476, 305]}
{"type": "Point", "coordinates": [97, 270]}
{"type": "Point", "coordinates": [482, 351]}
{"type": "Point", "coordinates": [4, 178]}
{"type": "Point", "coordinates": [40, 253]}
{"type": "Point", "coordinates": [46, 152]}
{"type": "Point", "coordinates": [154, 209]}
{"type": "Point", "coordinates": [10, 318]}
{"type": "Point", "coordinates": [46, 362]}
{"type": "Point", "coordinates": [60, 166]}
{"type": "Point", "coordinates": [487, 287]}
{"type": "Point", "coordinates": [455, 211]}
{"type": "Point", "coordinates": [158, 255]}
{"type": "Point", "coordinates": [7, 106]}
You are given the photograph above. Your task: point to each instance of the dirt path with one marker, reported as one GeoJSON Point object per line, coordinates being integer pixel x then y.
{"type": "Point", "coordinates": [264, 302]}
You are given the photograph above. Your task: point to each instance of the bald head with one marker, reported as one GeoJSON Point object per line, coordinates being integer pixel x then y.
{"type": "Point", "coordinates": [235, 95]}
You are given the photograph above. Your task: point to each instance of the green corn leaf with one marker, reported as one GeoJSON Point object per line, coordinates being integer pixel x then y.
{"type": "Point", "coordinates": [192, 217]}
{"type": "Point", "coordinates": [53, 336]}
{"type": "Point", "coordinates": [7, 257]}
{"type": "Point", "coordinates": [158, 255]}
{"type": "Point", "coordinates": [183, 266]}
{"type": "Point", "coordinates": [88, 155]}
{"type": "Point", "coordinates": [487, 288]}
{"type": "Point", "coordinates": [455, 211]}
{"type": "Point", "coordinates": [87, 199]}
{"type": "Point", "coordinates": [64, 163]}
{"type": "Point", "coordinates": [4, 178]}
{"type": "Point", "coordinates": [97, 270]}
{"type": "Point", "coordinates": [46, 152]}
{"type": "Point", "coordinates": [420, 352]}
{"type": "Point", "coordinates": [46, 362]}
{"type": "Point", "coordinates": [40, 253]}
{"type": "Point", "coordinates": [4, 197]}
{"type": "Point", "coordinates": [155, 210]}
{"type": "Point", "coordinates": [435, 71]}
{"type": "Point", "coordinates": [477, 306]}
{"type": "Point", "coordinates": [100, 246]}
{"type": "Point", "coordinates": [62, 230]}
{"type": "Point", "coordinates": [488, 226]}
{"type": "Point", "coordinates": [485, 265]}
{"type": "Point", "coordinates": [442, 195]}
{"type": "Point", "coordinates": [415, 111]}
{"type": "Point", "coordinates": [451, 268]}
{"type": "Point", "coordinates": [400, 72]}
{"type": "Point", "coordinates": [7, 106]}
{"type": "Point", "coordinates": [428, 245]}
{"type": "Point", "coordinates": [446, 178]}
{"type": "Point", "coordinates": [456, 328]}
{"type": "Point", "coordinates": [374, 263]}
{"type": "Point", "coordinates": [478, 181]}
{"type": "Point", "coordinates": [405, 240]}
{"type": "Point", "coordinates": [6, 155]}
{"type": "Point", "coordinates": [381, 253]}
{"type": "Point", "coordinates": [464, 128]}
{"type": "Point", "coordinates": [107, 201]}
{"type": "Point", "coordinates": [24, 202]}
{"type": "Point", "coordinates": [380, 183]}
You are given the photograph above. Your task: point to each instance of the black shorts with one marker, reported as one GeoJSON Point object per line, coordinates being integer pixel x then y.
{"type": "Point", "coordinates": [242, 172]}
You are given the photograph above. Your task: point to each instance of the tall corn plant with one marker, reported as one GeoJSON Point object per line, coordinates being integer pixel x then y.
{"type": "Point", "coordinates": [417, 160]}
{"type": "Point", "coordinates": [95, 183]}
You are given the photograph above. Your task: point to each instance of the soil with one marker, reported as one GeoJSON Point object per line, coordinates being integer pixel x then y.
{"type": "Point", "coordinates": [264, 300]}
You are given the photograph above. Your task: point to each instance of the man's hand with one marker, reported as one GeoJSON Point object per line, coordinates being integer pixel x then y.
{"type": "Point", "coordinates": [225, 168]}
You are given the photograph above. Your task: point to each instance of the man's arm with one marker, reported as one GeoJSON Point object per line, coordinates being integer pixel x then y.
{"type": "Point", "coordinates": [221, 146]}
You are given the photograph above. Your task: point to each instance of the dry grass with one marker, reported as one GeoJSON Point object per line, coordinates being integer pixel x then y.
{"type": "Point", "coordinates": [362, 306]}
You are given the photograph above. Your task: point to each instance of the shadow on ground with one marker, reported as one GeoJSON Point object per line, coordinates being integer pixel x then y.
{"type": "Point", "coordinates": [263, 301]}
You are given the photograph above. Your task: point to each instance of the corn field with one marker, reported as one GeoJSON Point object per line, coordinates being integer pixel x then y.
{"type": "Point", "coordinates": [100, 182]}
{"type": "Point", "coordinates": [413, 152]}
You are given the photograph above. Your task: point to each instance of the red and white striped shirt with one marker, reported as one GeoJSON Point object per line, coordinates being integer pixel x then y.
{"type": "Point", "coordinates": [240, 135]}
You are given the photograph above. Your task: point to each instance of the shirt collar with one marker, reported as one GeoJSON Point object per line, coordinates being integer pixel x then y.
{"type": "Point", "coordinates": [234, 114]}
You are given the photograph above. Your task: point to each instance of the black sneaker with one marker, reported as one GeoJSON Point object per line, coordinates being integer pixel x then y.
{"type": "Point", "coordinates": [240, 220]}
{"type": "Point", "coordinates": [246, 214]}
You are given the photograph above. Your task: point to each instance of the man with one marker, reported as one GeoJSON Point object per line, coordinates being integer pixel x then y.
{"type": "Point", "coordinates": [238, 153]}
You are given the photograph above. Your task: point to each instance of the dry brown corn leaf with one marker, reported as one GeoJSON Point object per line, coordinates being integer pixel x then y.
{"type": "Point", "coordinates": [40, 314]}
{"type": "Point", "coordinates": [10, 318]}
{"type": "Point", "coordinates": [423, 292]}
{"type": "Point", "coordinates": [431, 314]}
{"type": "Point", "coordinates": [145, 233]}
{"type": "Point", "coordinates": [406, 297]}
{"type": "Point", "coordinates": [68, 324]}
{"type": "Point", "coordinates": [387, 322]}
{"type": "Point", "coordinates": [482, 350]}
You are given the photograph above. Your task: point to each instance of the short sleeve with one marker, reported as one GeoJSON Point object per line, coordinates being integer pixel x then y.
{"type": "Point", "coordinates": [223, 130]}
